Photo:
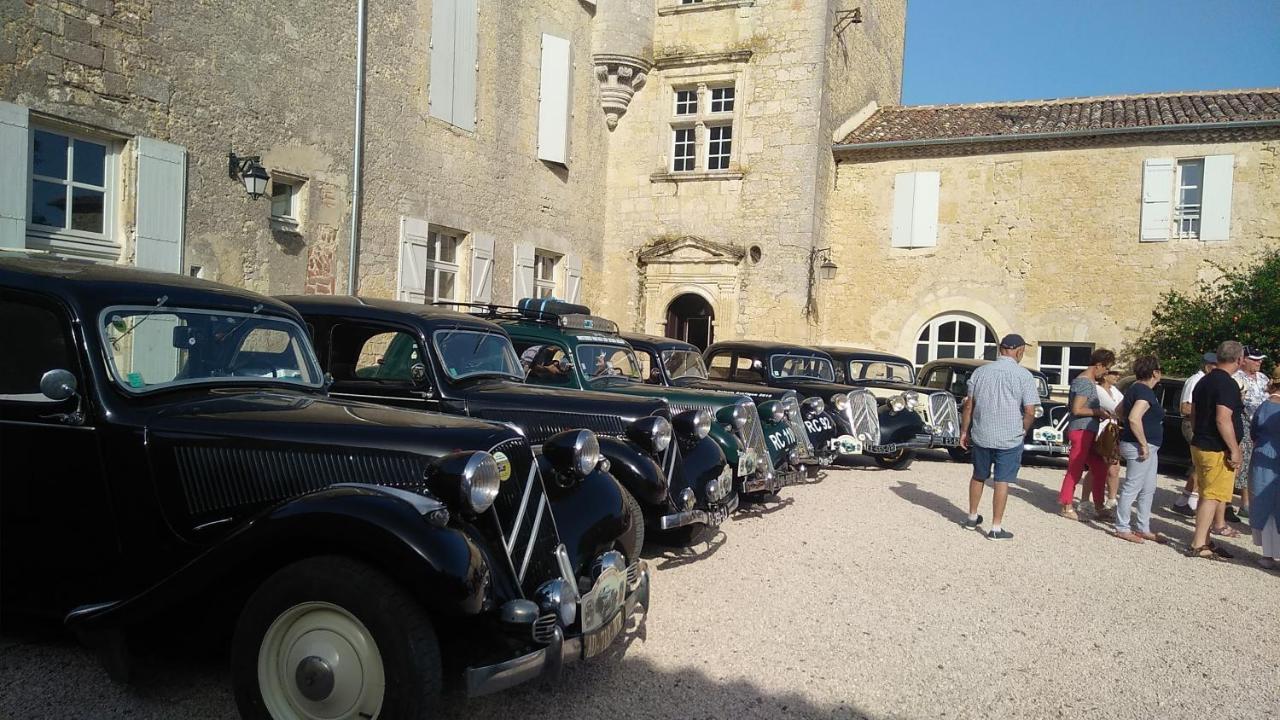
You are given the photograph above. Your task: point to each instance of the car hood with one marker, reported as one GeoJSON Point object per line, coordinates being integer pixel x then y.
{"type": "Point", "coordinates": [814, 388]}
{"type": "Point", "coordinates": [494, 394]}
{"type": "Point", "coordinates": [887, 388]}
{"type": "Point", "coordinates": [759, 393]}
{"type": "Point", "coordinates": [678, 397]}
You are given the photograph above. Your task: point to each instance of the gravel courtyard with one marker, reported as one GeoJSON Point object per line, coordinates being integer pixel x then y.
{"type": "Point", "coordinates": [858, 596]}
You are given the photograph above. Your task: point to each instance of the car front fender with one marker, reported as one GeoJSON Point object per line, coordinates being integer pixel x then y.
{"type": "Point", "coordinates": [899, 427]}
{"type": "Point", "coordinates": [591, 516]}
{"type": "Point", "coordinates": [635, 470]}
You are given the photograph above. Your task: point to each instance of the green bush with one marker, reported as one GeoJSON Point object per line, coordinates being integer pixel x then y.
{"type": "Point", "coordinates": [1243, 304]}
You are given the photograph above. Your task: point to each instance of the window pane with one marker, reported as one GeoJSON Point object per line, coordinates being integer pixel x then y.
{"type": "Point", "coordinates": [925, 333]}
{"type": "Point", "coordinates": [1050, 355]}
{"type": "Point", "coordinates": [448, 251]}
{"type": "Point", "coordinates": [48, 204]}
{"type": "Point", "coordinates": [42, 336]}
{"type": "Point", "coordinates": [686, 102]}
{"type": "Point", "coordinates": [989, 353]}
{"type": "Point", "coordinates": [281, 200]}
{"type": "Point", "coordinates": [1053, 374]}
{"type": "Point", "coordinates": [922, 353]}
{"type": "Point", "coordinates": [90, 163]}
{"type": "Point", "coordinates": [946, 351]}
{"type": "Point", "coordinates": [447, 282]}
{"type": "Point", "coordinates": [968, 351]}
{"type": "Point", "coordinates": [86, 210]}
{"type": "Point", "coordinates": [683, 150]}
{"type": "Point", "coordinates": [1080, 355]}
{"type": "Point", "coordinates": [49, 156]}
{"type": "Point", "coordinates": [947, 331]}
{"type": "Point", "coordinates": [968, 332]}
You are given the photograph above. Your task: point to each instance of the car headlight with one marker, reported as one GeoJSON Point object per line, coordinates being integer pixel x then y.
{"type": "Point", "coordinates": [840, 401]}
{"type": "Point", "coordinates": [912, 399]}
{"type": "Point", "coordinates": [652, 433]}
{"type": "Point", "coordinates": [693, 423]}
{"type": "Point", "coordinates": [476, 477]}
{"type": "Point", "coordinates": [793, 458]}
{"type": "Point", "coordinates": [812, 407]}
{"type": "Point", "coordinates": [1039, 411]}
{"type": "Point", "coordinates": [687, 499]}
{"type": "Point", "coordinates": [555, 596]}
{"type": "Point", "coordinates": [897, 404]}
{"type": "Point", "coordinates": [772, 411]}
{"type": "Point", "coordinates": [573, 452]}
{"type": "Point", "coordinates": [736, 414]}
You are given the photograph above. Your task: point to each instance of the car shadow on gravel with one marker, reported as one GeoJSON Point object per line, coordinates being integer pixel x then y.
{"type": "Point", "coordinates": [758, 509]}
{"type": "Point", "coordinates": [670, 557]}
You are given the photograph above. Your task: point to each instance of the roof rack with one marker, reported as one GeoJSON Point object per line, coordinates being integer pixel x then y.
{"type": "Point", "coordinates": [553, 313]}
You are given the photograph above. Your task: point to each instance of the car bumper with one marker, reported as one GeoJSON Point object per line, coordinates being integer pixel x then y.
{"type": "Point", "coordinates": [1046, 448]}
{"type": "Point", "coordinates": [548, 660]}
{"type": "Point", "coordinates": [711, 517]}
{"type": "Point", "coordinates": [779, 480]}
{"type": "Point", "coordinates": [919, 442]}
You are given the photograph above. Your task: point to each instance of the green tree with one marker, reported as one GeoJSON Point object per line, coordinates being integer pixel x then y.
{"type": "Point", "coordinates": [1242, 304]}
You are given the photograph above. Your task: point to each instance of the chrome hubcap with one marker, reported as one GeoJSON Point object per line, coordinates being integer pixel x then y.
{"type": "Point", "coordinates": [314, 678]}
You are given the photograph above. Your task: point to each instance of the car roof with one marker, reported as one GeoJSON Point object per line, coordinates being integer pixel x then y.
{"type": "Point", "coordinates": [852, 353]}
{"type": "Point", "coordinates": [768, 346]}
{"type": "Point", "coordinates": [89, 287]}
{"type": "Point", "coordinates": [971, 363]}
{"type": "Point", "coordinates": [428, 316]}
{"type": "Point", "coordinates": [659, 342]}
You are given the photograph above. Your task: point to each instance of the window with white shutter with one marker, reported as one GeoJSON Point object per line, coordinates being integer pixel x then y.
{"type": "Point", "coordinates": [1157, 199]}
{"type": "Point", "coordinates": [1215, 210]}
{"type": "Point", "coordinates": [545, 270]}
{"type": "Point", "coordinates": [522, 272]}
{"type": "Point", "coordinates": [415, 243]}
{"type": "Point", "coordinates": [553, 100]}
{"type": "Point", "coordinates": [573, 278]}
{"type": "Point", "coordinates": [161, 214]}
{"type": "Point", "coordinates": [454, 38]}
{"type": "Point", "coordinates": [13, 174]}
{"type": "Point", "coordinates": [915, 209]}
{"type": "Point", "coordinates": [481, 268]}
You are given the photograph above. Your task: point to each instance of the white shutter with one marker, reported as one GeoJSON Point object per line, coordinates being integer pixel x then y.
{"type": "Point", "coordinates": [411, 285]}
{"type": "Point", "coordinates": [161, 216]}
{"type": "Point", "coordinates": [522, 273]}
{"type": "Point", "coordinates": [481, 268]}
{"type": "Point", "coordinates": [572, 278]}
{"type": "Point", "coordinates": [464, 64]}
{"type": "Point", "coordinates": [1215, 199]}
{"type": "Point", "coordinates": [924, 210]}
{"type": "Point", "coordinates": [904, 195]}
{"type": "Point", "coordinates": [443, 32]}
{"type": "Point", "coordinates": [14, 148]}
{"type": "Point", "coordinates": [1157, 199]}
{"type": "Point", "coordinates": [553, 101]}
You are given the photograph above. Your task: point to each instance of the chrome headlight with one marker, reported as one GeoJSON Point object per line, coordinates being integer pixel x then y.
{"type": "Point", "coordinates": [653, 433]}
{"type": "Point", "coordinates": [736, 414]}
{"type": "Point", "coordinates": [693, 423]}
{"type": "Point", "coordinates": [793, 458]}
{"type": "Point", "coordinates": [840, 401]}
{"type": "Point", "coordinates": [912, 399]}
{"type": "Point", "coordinates": [1039, 411]}
{"type": "Point", "coordinates": [897, 404]}
{"type": "Point", "coordinates": [772, 411]}
{"type": "Point", "coordinates": [812, 407]}
{"type": "Point", "coordinates": [687, 499]}
{"type": "Point", "coordinates": [476, 477]}
{"type": "Point", "coordinates": [573, 452]}
{"type": "Point", "coordinates": [557, 597]}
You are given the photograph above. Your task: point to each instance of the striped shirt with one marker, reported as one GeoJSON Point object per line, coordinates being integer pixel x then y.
{"type": "Point", "coordinates": [1000, 390]}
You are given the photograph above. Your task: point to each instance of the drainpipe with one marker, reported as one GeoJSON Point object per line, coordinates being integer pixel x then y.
{"type": "Point", "coordinates": [357, 154]}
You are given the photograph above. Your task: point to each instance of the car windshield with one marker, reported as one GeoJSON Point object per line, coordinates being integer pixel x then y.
{"type": "Point", "coordinates": [605, 364]}
{"type": "Point", "coordinates": [801, 366]}
{"type": "Point", "coordinates": [1043, 386]}
{"type": "Point", "coordinates": [880, 370]}
{"type": "Point", "coordinates": [160, 347]}
{"type": "Point", "coordinates": [684, 365]}
{"type": "Point", "coordinates": [468, 353]}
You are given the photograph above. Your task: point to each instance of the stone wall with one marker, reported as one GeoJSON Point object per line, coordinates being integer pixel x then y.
{"type": "Point", "coordinates": [1043, 243]}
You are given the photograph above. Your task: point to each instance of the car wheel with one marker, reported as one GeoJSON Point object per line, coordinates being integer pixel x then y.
{"type": "Point", "coordinates": [332, 637]}
{"type": "Point", "coordinates": [958, 454]}
{"type": "Point", "coordinates": [900, 460]}
{"type": "Point", "coordinates": [637, 523]}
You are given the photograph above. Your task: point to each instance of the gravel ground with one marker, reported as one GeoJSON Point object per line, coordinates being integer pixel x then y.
{"type": "Point", "coordinates": [858, 596]}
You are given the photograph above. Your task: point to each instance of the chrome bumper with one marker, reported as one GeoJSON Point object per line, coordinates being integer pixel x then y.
{"type": "Point", "coordinates": [548, 660]}
{"type": "Point", "coordinates": [774, 482]}
{"type": "Point", "coordinates": [711, 517]}
{"type": "Point", "coordinates": [1046, 448]}
{"type": "Point", "coordinates": [919, 442]}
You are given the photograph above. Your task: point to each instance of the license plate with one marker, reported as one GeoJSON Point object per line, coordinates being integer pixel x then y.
{"type": "Point", "coordinates": [604, 600]}
{"type": "Point", "coordinates": [745, 465]}
{"type": "Point", "coordinates": [595, 643]}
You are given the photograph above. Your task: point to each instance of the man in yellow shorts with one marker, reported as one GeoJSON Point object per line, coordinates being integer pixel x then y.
{"type": "Point", "coordinates": [1215, 448]}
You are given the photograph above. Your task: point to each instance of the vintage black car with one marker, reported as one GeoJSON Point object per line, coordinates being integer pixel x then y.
{"type": "Point", "coordinates": [811, 373]}
{"type": "Point", "coordinates": [674, 363]}
{"type": "Point", "coordinates": [433, 358]}
{"type": "Point", "coordinates": [1046, 437]}
{"type": "Point", "coordinates": [168, 451]}
{"type": "Point", "coordinates": [907, 410]}
{"type": "Point", "coordinates": [1168, 390]}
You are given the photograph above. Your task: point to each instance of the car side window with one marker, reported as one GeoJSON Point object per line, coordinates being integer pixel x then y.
{"type": "Point", "coordinates": [372, 353]}
{"type": "Point", "coordinates": [746, 370]}
{"type": "Point", "coordinates": [720, 367]}
{"type": "Point", "coordinates": [1170, 399]}
{"type": "Point", "coordinates": [546, 364]}
{"type": "Point", "coordinates": [960, 382]}
{"type": "Point", "coordinates": [649, 367]}
{"type": "Point", "coordinates": [938, 379]}
{"type": "Point", "coordinates": [42, 334]}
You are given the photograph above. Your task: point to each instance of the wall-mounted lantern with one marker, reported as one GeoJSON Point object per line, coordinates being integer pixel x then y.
{"type": "Point", "coordinates": [249, 171]}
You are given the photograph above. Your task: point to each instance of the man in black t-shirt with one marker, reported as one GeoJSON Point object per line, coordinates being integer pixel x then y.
{"type": "Point", "coordinates": [1215, 447]}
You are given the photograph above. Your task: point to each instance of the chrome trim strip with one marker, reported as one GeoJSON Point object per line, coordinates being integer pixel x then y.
{"type": "Point", "coordinates": [524, 505]}
{"type": "Point", "coordinates": [537, 522]}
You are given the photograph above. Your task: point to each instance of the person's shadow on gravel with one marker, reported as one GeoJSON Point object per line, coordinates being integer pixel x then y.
{"type": "Point", "coordinates": [913, 494]}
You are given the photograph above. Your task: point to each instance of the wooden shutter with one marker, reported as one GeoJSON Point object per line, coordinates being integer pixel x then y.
{"type": "Point", "coordinates": [1157, 199]}
{"type": "Point", "coordinates": [14, 148]}
{"type": "Point", "coordinates": [522, 273]}
{"type": "Point", "coordinates": [1215, 200]}
{"type": "Point", "coordinates": [411, 285]}
{"type": "Point", "coordinates": [161, 216]}
{"type": "Point", "coordinates": [553, 101]}
{"type": "Point", "coordinates": [443, 33]}
{"type": "Point", "coordinates": [915, 209]}
{"type": "Point", "coordinates": [573, 278]}
{"type": "Point", "coordinates": [464, 64]}
{"type": "Point", "coordinates": [481, 268]}
{"type": "Point", "coordinates": [904, 192]}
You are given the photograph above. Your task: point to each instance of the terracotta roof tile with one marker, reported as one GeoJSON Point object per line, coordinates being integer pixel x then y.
{"type": "Point", "coordinates": [944, 122]}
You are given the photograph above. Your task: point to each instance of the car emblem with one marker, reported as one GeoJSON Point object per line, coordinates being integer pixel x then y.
{"type": "Point", "coordinates": [504, 466]}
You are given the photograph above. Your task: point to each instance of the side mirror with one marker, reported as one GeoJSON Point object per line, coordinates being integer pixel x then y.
{"type": "Point", "coordinates": [418, 374]}
{"type": "Point", "coordinates": [58, 384]}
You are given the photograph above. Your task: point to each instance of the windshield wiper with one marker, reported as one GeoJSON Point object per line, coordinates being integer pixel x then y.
{"type": "Point", "coordinates": [160, 301]}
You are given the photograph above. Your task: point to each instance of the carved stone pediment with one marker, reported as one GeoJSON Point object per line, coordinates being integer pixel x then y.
{"type": "Point", "coordinates": [690, 249]}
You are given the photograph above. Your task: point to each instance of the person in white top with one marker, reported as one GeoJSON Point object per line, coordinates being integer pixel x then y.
{"type": "Point", "coordinates": [1253, 384]}
{"type": "Point", "coordinates": [1109, 398]}
{"type": "Point", "coordinates": [1186, 503]}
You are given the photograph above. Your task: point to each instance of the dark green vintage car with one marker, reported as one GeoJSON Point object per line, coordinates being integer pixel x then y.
{"type": "Point", "coordinates": [564, 345]}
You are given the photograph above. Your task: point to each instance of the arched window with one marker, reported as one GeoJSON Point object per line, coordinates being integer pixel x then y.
{"type": "Point", "coordinates": [955, 336]}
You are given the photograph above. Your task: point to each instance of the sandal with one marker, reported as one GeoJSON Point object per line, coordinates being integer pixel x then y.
{"type": "Point", "coordinates": [1204, 551]}
{"type": "Point", "coordinates": [1154, 537]}
{"type": "Point", "coordinates": [1225, 531]}
{"type": "Point", "coordinates": [1068, 513]}
{"type": "Point", "coordinates": [1131, 537]}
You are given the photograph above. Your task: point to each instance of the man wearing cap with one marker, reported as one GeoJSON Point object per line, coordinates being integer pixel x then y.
{"type": "Point", "coordinates": [1254, 393]}
{"type": "Point", "coordinates": [998, 411]}
{"type": "Point", "coordinates": [1186, 503]}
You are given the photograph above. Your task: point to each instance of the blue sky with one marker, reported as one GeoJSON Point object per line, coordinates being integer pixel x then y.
{"type": "Point", "coordinates": [983, 50]}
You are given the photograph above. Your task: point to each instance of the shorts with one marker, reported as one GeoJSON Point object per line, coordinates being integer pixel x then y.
{"type": "Point", "coordinates": [1216, 480]}
{"type": "Point", "coordinates": [1007, 463]}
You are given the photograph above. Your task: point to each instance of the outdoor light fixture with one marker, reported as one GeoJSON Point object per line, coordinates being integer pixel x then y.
{"type": "Point", "coordinates": [249, 171]}
{"type": "Point", "coordinates": [826, 271]}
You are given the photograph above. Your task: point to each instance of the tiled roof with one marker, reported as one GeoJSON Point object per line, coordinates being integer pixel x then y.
{"type": "Point", "coordinates": [1069, 115]}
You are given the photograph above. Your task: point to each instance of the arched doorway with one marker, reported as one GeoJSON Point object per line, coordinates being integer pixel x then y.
{"type": "Point", "coordinates": [691, 319]}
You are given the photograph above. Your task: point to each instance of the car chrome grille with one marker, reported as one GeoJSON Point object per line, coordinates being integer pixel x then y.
{"type": "Point", "coordinates": [540, 425]}
{"type": "Point", "coordinates": [544, 629]}
{"type": "Point", "coordinates": [522, 516]}
{"type": "Point", "coordinates": [804, 446]}
{"type": "Point", "coordinates": [1057, 415]}
{"type": "Point", "coordinates": [752, 435]}
{"type": "Point", "coordinates": [943, 415]}
{"type": "Point", "coordinates": [217, 479]}
{"type": "Point", "coordinates": [863, 417]}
